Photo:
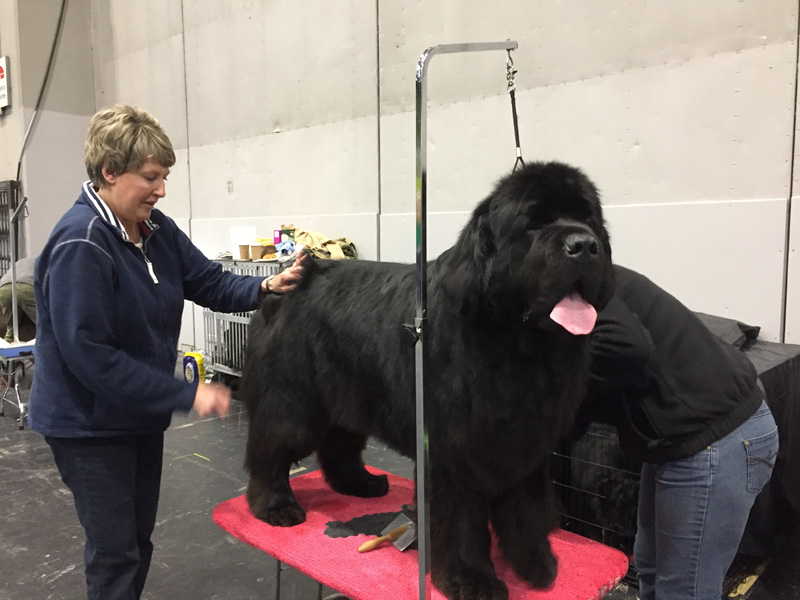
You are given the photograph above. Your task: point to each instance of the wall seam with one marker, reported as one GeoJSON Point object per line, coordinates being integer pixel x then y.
{"type": "Point", "coordinates": [188, 148]}
{"type": "Point", "coordinates": [787, 233]}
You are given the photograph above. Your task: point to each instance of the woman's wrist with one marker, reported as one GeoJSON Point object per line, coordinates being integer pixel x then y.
{"type": "Point", "coordinates": [265, 285]}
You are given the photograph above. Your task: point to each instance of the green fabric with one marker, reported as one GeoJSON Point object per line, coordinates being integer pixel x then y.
{"type": "Point", "coordinates": [26, 303]}
{"type": "Point", "coordinates": [348, 249]}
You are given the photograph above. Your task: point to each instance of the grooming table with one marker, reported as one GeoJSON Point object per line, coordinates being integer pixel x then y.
{"type": "Point", "coordinates": [587, 569]}
{"type": "Point", "coordinates": [13, 359]}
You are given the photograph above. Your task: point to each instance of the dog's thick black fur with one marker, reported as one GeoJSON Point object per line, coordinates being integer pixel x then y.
{"type": "Point", "coordinates": [330, 364]}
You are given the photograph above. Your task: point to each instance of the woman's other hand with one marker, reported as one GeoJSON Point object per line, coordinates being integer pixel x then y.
{"type": "Point", "coordinates": [212, 399]}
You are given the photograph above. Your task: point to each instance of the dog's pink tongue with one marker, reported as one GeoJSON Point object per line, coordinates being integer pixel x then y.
{"type": "Point", "coordinates": [574, 314]}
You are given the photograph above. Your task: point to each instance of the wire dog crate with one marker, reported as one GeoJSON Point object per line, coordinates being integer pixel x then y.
{"type": "Point", "coordinates": [9, 200]}
{"type": "Point", "coordinates": [226, 333]}
{"type": "Point", "coordinates": [598, 487]}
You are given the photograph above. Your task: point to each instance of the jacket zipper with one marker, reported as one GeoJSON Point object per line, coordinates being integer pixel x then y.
{"type": "Point", "coordinates": [150, 268]}
{"type": "Point", "coordinates": [153, 276]}
{"type": "Point", "coordinates": [149, 265]}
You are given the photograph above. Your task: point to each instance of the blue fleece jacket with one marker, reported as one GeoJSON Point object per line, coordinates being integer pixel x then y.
{"type": "Point", "coordinates": [108, 319]}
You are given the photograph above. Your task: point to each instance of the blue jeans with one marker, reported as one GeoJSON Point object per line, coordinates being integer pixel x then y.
{"type": "Point", "coordinates": [692, 512]}
{"type": "Point", "coordinates": [115, 483]}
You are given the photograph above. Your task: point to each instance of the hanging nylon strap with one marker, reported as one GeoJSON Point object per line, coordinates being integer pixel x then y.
{"type": "Point", "coordinates": [512, 88]}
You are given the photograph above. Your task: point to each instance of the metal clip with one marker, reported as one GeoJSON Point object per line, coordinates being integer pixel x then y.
{"type": "Point", "coordinates": [510, 73]}
{"type": "Point", "coordinates": [410, 333]}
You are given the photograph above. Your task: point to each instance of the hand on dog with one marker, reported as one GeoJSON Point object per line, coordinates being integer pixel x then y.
{"type": "Point", "coordinates": [212, 398]}
{"type": "Point", "coordinates": [286, 280]}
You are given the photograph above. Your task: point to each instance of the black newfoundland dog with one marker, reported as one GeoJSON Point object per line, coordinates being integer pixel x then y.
{"type": "Point", "coordinates": [331, 364]}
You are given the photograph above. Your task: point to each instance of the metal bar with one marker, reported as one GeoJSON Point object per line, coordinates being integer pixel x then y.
{"type": "Point", "coordinates": [12, 222]}
{"type": "Point", "coordinates": [277, 579]}
{"type": "Point", "coordinates": [423, 476]}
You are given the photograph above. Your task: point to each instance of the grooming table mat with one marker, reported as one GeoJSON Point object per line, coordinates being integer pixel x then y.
{"type": "Point", "coordinates": [586, 569]}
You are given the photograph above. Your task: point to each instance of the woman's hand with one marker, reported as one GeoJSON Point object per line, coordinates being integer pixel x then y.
{"type": "Point", "coordinates": [212, 399]}
{"type": "Point", "coordinates": [286, 280]}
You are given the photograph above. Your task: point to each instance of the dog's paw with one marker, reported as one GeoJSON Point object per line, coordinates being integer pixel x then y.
{"type": "Point", "coordinates": [285, 516]}
{"type": "Point", "coordinates": [374, 486]}
{"type": "Point", "coordinates": [361, 484]}
{"type": "Point", "coordinates": [541, 571]}
{"type": "Point", "coordinates": [281, 511]}
{"type": "Point", "coordinates": [484, 590]}
{"type": "Point", "coordinates": [276, 509]}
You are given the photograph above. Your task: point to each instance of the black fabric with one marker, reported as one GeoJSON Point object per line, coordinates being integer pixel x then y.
{"type": "Point", "coordinates": [371, 524]}
{"type": "Point", "coordinates": [659, 375]}
{"type": "Point", "coordinates": [735, 333]}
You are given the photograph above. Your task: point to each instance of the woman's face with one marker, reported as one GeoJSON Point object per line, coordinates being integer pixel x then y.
{"type": "Point", "coordinates": [131, 196]}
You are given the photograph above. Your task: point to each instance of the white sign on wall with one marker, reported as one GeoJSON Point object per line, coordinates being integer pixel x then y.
{"type": "Point", "coordinates": [4, 93]}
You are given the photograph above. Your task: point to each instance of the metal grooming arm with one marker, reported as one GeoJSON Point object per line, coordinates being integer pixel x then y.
{"type": "Point", "coordinates": [13, 237]}
{"type": "Point", "coordinates": [423, 504]}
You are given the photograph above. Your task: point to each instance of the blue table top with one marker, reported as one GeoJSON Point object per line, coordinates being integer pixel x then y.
{"type": "Point", "coordinates": [16, 351]}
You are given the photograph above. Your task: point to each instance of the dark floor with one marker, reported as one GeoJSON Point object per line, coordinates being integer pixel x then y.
{"type": "Point", "coordinates": [41, 540]}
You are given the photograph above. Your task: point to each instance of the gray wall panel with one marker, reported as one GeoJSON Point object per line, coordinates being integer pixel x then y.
{"type": "Point", "coordinates": [569, 41]}
{"type": "Point", "coordinates": [268, 67]}
{"type": "Point", "coordinates": [70, 89]}
{"type": "Point", "coordinates": [132, 78]}
{"type": "Point", "coordinates": [327, 169]}
{"type": "Point", "coordinates": [11, 119]}
{"type": "Point", "coordinates": [673, 104]}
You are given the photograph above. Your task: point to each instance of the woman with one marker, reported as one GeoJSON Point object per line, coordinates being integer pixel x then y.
{"type": "Point", "coordinates": [110, 286]}
{"type": "Point", "coordinates": [691, 408]}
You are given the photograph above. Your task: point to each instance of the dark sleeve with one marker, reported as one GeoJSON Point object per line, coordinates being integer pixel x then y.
{"type": "Point", "coordinates": [620, 349]}
{"type": "Point", "coordinates": [207, 284]}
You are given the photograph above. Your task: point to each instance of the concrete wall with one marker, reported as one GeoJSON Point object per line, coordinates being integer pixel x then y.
{"type": "Point", "coordinates": [683, 113]}
{"type": "Point", "coordinates": [52, 165]}
{"type": "Point", "coordinates": [11, 125]}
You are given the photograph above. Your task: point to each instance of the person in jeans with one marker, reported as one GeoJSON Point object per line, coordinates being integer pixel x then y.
{"type": "Point", "coordinates": [110, 287]}
{"type": "Point", "coordinates": [691, 408]}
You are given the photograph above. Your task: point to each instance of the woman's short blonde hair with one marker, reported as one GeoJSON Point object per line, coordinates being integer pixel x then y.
{"type": "Point", "coordinates": [121, 139]}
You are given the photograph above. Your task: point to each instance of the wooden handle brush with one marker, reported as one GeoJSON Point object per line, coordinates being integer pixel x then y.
{"type": "Point", "coordinates": [389, 537]}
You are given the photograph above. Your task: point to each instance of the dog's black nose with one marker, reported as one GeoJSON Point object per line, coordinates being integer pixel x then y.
{"type": "Point", "coordinates": [581, 246]}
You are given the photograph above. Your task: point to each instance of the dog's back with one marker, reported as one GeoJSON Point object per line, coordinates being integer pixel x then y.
{"type": "Point", "coordinates": [338, 343]}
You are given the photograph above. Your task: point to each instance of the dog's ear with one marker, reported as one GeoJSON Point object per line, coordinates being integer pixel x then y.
{"type": "Point", "coordinates": [465, 268]}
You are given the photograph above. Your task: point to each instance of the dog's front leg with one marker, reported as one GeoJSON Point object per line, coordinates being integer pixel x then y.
{"type": "Point", "coordinates": [461, 566]}
{"type": "Point", "coordinates": [522, 518]}
{"type": "Point", "coordinates": [269, 455]}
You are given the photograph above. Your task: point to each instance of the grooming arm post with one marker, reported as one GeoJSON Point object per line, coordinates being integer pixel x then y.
{"type": "Point", "coordinates": [423, 477]}
{"type": "Point", "coordinates": [13, 237]}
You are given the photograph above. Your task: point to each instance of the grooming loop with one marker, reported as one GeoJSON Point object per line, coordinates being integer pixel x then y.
{"type": "Point", "coordinates": [511, 87]}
